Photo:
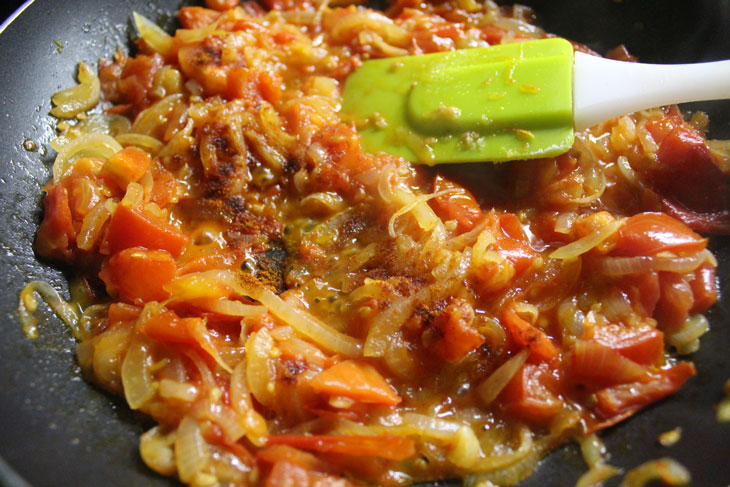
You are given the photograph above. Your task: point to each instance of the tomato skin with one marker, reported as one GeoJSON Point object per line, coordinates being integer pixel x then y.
{"type": "Point", "coordinates": [56, 233]}
{"type": "Point", "coordinates": [356, 380]}
{"type": "Point", "coordinates": [704, 289]}
{"type": "Point", "coordinates": [644, 346]}
{"type": "Point", "coordinates": [460, 206]}
{"type": "Point", "coordinates": [139, 275]}
{"type": "Point", "coordinates": [385, 446]}
{"type": "Point", "coordinates": [526, 335]}
{"type": "Point", "coordinates": [132, 228]}
{"type": "Point", "coordinates": [677, 299]}
{"type": "Point", "coordinates": [619, 402]}
{"type": "Point", "coordinates": [168, 327]}
{"type": "Point", "coordinates": [533, 394]}
{"type": "Point", "coordinates": [651, 233]}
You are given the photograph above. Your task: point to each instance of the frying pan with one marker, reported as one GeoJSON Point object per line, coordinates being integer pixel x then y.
{"type": "Point", "coordinates": [55, 429]}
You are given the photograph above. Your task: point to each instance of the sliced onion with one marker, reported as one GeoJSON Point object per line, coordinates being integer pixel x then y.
{"type": "Point", "coordinates": [423, 213]}
{"type": "Point", "coordinates": [302, 321]}
{"type": "Point", "coordinates": [84, 96]}
{"type": "Point", "coordinates": [98, 123]}
{"type": "Point", "coordinates": [191, 451]}
{"type": "Point", "coordinates": [225, 417]}
{"type": "Point", "coordinates": [592, 449]}
{"type": "Point", "coordinates": [490, 388]}
{"type": "Point", "coordinates": [465, 451]}
{"type": "Point", "coordinates": [229, 307]}
{"type": "Point", "coordinates": [666, 470]}
{"type": "Point", "coordinates": [158, 114]}
{"type": "Point", "coordinates": [686, 339]}
{"type": "Point", "coordinates": [183, 391]}
{"type": "Point", "coordinates": [156, 450]}
{"type": "Point", "coordinates": [92, 226]}
{"type": "Point", "coordinates": [583, 245]}
{"type": "Point", "coordinates": [146, 142]}
{"type": "Point", "coordinates": [597, 475]}
{"type": "Point", "coordinates": [136, 377]}
{"type": "Point", "coordinates": [97, 146]}
{"type": "Point", "coordinates": [28, 305]}
{"type": "Point", "coordinates": [153, 35]}
{"type": "Point", "coordinates": [134, 195]}
{"type": "Point", "coordinates": [723, 410]}
{"type": "Point", "coordinates": [260, 372]}
{"type": "Point", "coordinates": [571, 319]}
{"type": "Point", "coordinates": [253, 422]}
{"type": "Point", "coordinates": [623, 266]}
{"type": "Point", "coordinates": [523, 452]}
{"type": "Point", "coordinates": [430, 426]}
{"type": "Point", "coordinates": [205, 373]}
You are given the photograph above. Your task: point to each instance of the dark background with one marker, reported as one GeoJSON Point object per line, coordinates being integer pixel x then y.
{"type": "Point", "coordinates": [8, 7]}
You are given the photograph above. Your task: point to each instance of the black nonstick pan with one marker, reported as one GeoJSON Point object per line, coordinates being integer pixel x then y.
{"type": "Point", "coordinates": [57, 430]}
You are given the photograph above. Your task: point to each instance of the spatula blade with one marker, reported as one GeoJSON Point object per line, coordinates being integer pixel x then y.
{"type": "Point", "coordinates": [499, 103]}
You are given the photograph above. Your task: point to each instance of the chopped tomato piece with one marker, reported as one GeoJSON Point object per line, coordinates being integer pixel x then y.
{"type": "Point", "coordinates": [122, 313]}
{"type": "Point", "coordinates": [385, 446]}
{"type": "Point", "coordinates": [286, 453]}
{"type": "Point", "coordinates": [459, 205]}
{"type": "Point", "coordinates": [168, 327]}
{"type": "Point", "coordinates": [126, 166]}
{"type": "Point", "coordinates": [661, 127]}
{"type": "Point", "coordinates": [651, 233]}
{"type": "Point", "coordinates": [526, 335]}
{"type": "Point", "coordinates": [163, 187]}
{"type": "Point", "coordinates": [197, 17]}
{"type": "Point", "coordinates": [138, 275]}
{"type": "Point", "coordinates": [595, 364]}
{"type": "Point", "coordinates": [493, 35]}
{"type": "Point", "coordinates": [133, 228]}
{"type": "Point", "coordinates": [438, 37]}
{"type": "Point", "coordinates": [285, 474]}
{"type": "Point", "coordinates": [704, 289]}
{"type": "Point", "coordinates": [358, 381]}
{"type": "Point", "coordinates": [645, 291]}
{"type": "Point", "coordinates": [686, 163]}
{"type": "Point", "coordinates": [513, 245]}
{"type": "Point", "coordinates": [642, 345]}
{"type": "Point", "coordinates": [56, 231]}
{"type": "Point", "coordinates": [532, 394]}
{"type": "Point", "coordinates": [453, 335]}
{"type": "Point", "coordinates": [221, 5]}
{"type": "Point", "coordinates": [623, 400]}
{"type": "Point", "coordinates": [676, 301]}
{"type": "Point", "coordinates": [252, 85]}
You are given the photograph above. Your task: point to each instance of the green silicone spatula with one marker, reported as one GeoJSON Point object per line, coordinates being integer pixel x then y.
{"type": "Point", "coordinates": [508, 102]}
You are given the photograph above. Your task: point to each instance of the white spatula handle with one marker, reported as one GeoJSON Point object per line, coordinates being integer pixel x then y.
{"type": "Point", "coordinates": [604, 88]}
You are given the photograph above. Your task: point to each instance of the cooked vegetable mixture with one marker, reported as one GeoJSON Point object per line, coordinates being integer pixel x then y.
{"type": "Point", "coordinates": [293, 311]}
